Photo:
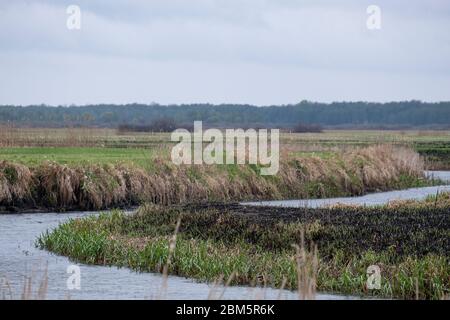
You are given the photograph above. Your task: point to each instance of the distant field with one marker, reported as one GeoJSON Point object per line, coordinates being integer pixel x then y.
{"type": "Point", "coordinates": [79, 145]}
{"type": "Point", "coordinates": [111, 137]}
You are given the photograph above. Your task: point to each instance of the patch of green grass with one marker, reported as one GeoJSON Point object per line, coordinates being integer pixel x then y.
{"type": "Point", "coordinates": [34, 156]}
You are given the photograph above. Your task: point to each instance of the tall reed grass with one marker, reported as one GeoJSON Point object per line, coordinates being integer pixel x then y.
{"type": "Point", "coordinates": [63, 187]}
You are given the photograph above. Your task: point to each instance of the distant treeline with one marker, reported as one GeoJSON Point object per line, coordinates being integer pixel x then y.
{"type": "Point", "coordinates": [408, 114]}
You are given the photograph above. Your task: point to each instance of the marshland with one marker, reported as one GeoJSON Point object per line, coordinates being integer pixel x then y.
{"type": "Point", "coordinates": [188, 223]}
{"type": "Point", "coordinates": [316, 162]}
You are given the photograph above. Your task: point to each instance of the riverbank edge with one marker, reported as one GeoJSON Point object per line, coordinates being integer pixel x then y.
{"type": "Point", "coordinates": [30, 209]}
{"type": "Point", "coordinates": [59, 187]}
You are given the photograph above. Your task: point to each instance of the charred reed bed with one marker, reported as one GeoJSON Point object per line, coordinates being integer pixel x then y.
{"type": "Point", "coordinates": [328, 249]}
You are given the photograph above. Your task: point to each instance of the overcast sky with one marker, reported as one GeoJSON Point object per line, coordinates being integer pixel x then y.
{"type": "Point", "coordinates": [223, 51]}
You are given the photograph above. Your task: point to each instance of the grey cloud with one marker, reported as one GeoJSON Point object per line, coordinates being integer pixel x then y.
{"type": "Point", "coordinates": [321, 46]}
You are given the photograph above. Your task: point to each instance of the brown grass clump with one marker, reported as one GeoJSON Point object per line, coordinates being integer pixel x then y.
{"type": "Point", "coordinates": [15, 182]}
{"type": "Point", "coordinates": [378, 166]}
{"type": "Point", "coordinates": [137, 184]}
{"type": "Point", "coordinates": [57, 184]}
{"type": "Point", "coordinates": [102, 187]}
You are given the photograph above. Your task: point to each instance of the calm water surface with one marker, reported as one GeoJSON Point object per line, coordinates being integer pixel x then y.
{"type": "Point", "coordinates": [372, 199]}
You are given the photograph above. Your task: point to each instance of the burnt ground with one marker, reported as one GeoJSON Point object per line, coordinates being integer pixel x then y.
{"type": "Point", "coordinates": [403, 230]}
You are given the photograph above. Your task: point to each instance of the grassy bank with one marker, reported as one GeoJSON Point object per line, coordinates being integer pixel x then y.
{"type": "Point", "coordinates": [296, 248]}
{"type": "Point", "coordinates": [88, 185]}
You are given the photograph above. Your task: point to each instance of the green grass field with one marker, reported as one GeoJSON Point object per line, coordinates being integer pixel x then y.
{"type": "Point", "coordinates": [32, 156]}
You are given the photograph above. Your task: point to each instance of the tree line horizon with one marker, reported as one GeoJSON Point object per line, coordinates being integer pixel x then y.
{"type": "Point", "coordinates": [388, 115]}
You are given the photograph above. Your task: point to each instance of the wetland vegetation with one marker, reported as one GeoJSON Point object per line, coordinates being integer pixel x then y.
{"type": "Point", "coordinates": [294, 248]}
{"type": "Point", "coordinates": [73, 168]}
{"type": "Point", "coordinates": [325, 249]}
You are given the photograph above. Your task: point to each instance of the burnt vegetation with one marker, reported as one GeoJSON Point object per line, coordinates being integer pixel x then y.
{"type": "Point", "coordinates": [406, 230]}
{"type": "Point", "coordinates": [410, 244]}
